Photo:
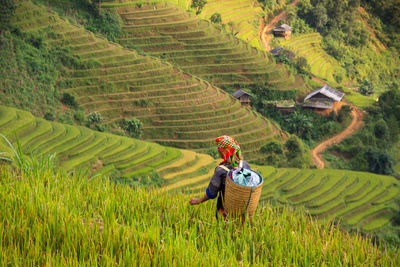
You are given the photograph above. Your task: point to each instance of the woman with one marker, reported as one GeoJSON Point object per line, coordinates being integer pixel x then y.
{"type": "Point", "coordinates": [229, 150]}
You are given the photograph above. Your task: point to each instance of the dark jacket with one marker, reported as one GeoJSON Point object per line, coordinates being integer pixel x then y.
{"type": "Point", "coordinates": [217, 183]}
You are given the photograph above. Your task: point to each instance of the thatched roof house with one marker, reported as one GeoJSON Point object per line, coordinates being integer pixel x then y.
{"type": "Point", "coordinates": [243, 97]}
{"type": "Point", "coordinates": [323, 98]}
{"type": "Point", "coordinates": [283, 31]}
{"type": "Point", "coordinates": [276, 51]}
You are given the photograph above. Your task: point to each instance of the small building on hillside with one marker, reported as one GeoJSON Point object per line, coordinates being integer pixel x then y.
{"type": "Point", "coordinates": [243, 97]}
{"type": "Point", "coordinates": [323, 98]}
{"type": "Point", "coordinates": [276, 51]}
{"type": "Point", "coordinates": [283, 31]}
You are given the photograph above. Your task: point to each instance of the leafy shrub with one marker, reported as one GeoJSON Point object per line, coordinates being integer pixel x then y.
{"type": "Point", "coordinates": [198, 5]}
{"type": "Point", "coordinates": [216, 18]}
{"type": "Point", "coordinates": [272, 147]}
{"type": "Point", "coordinates": [69, 100]}
{"type": "Point", "coordinates": [49, 116]}
{"type": "Point", "coordinates": [366, 87]}
{"type": "Point", "coordinates": [94, 117]}
{"type": "Point", "coordinates": [133, 127]}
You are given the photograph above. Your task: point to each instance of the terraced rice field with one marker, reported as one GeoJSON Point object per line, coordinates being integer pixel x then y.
{"type": "Point", "coordinates": [244, 14]}
{"type": "Point", "coordinates": [308, 45]}
{"type": "Point", "coordinates": [200, 48]}
{"type": "Point", "coordinates": [176, 108]}
{"type": "Point", "coordinates": [79, 148]}
{"type": "Point", "coordinates": [360, 200]}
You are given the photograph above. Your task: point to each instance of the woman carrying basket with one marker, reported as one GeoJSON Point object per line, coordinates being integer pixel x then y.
{"type": "Point", "coordinates": [229, 150]}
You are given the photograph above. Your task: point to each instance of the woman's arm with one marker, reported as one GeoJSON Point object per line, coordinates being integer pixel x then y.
{"type": "Point", "coordinates": [196, 201]}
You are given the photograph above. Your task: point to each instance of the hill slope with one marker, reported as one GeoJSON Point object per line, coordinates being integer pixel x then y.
{"type": "Point", "coordinates": [362, 200]}
{"type": "Point", "coordinates": [201, 48]}
{"type": "Point", "coordinates": [176, 108]}
{"type": "Point", "coordinates": [76, 221]}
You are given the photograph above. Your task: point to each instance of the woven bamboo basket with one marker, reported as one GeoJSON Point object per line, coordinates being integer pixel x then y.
{"type": "Point", "coordinates": [241, 200]}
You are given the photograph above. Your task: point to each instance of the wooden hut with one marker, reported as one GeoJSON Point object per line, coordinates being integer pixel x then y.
{"type": "Point", "coordinates": [243, 97]}
{"type": "Point", "coordinates": [283, 31]}
{"type": "Point", "coordinates": [323, 98]}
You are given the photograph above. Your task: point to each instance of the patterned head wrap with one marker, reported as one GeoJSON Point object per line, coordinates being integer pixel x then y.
{"type": "Point", "coordinates": [230, 150]}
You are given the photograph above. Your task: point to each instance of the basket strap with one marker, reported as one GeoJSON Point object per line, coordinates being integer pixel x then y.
{"type": "Point", "coordinates": [224, 167]}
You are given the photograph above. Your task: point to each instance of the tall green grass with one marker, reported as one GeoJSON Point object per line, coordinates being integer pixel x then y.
{"type": "Point", "coordinates": [56, 219]}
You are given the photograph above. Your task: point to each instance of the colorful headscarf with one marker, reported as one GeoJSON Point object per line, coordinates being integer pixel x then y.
{"type": "Point", "coordinates": [230, 150]}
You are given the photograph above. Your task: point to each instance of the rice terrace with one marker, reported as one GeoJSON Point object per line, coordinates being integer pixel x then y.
{"type": "Point", "coordinates": [131, 133]}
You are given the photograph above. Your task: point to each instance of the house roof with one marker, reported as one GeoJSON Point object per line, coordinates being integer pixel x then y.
{"type": "Point", "coordinates": [327, 91]}
{"type": "Point", "coordinates": [240, 93]}
{"type": "Point", "coordinates": [318, 103]}
{"type": "Point", "coordinates": [276, 50]}
{"type": "Point", "coordinates": [283, 27]}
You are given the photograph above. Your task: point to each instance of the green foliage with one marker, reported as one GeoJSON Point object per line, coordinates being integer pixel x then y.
{"type": "Point", "coordinates": [94, 117]}
{"type": "Point", "coordinates": [296, 154]}
{"type": "Point", "coordinates": [69, 100]}
{"type": "Point", "coordinates": [79, 116]}
{"type": "Point", "coordinates": [198, 5]}
{"type": "Point", "coordinates": [87, 13]}
{"type": "Point", "coordinates": [344, 113]}
{"type": "Point", "coordinates": [379, 161]}
{"type": "Point", "coordinates": [29, 68]}
{"type": "Point", "coordinates": [133, 127]}
{"type": "Point", "coordinates": [272, 147]}
{"type": "Point", "coordinates": [213, 152]}
{"type": "Point", "coordinates": [366, 87]}
{"type": "Point", "coordinates": [7, 12]}
{"type": "Point", "coordinates": [216, 18]}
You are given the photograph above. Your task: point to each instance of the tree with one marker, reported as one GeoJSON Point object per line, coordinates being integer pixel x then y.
{"type": "Point", "coordinates": [366, 87]}
{"type": "Point", "coordinates": [198, 5]}
{"type": "Point", "coordinates": [381, 130]}
{"type": "Point", "coordinates": [379, 161]}
{"type": "Point", "coordinates": [69, 100]}
{"type": "Point", "coordinates": [133, 127]}
{"type": "Point", "coordinates": [272, 147]}
{"type": "Point", "coordinates": [216, 18]}
{"type": "Point", "coordinates": [320, 17]}
{"type": "Point", "coordinates": [94, 118]}
{"type": "Point", "coordinates": [294, 147]}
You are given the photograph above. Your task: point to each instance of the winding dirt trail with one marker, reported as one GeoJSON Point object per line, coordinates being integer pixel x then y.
{"type": "Point", "coordinates": [353, 127]}
{"type": "Point", "coordinates": [356, 113]}
{"type": "Point", "coordinates": [266, 38]}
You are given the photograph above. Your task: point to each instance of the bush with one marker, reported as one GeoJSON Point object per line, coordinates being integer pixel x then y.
{"type": "Point", "coordinates": [198, 5]}
{"type": "Point", "coordinates": [69, 100]}
{"type": "Point", "coordinates": [216, 18]}
{"type": "Point", "coordinates": [94, 118]}
{"type": "Point", "coordinates": [272, 147]}
{"type": "Point", "coordinates": [133, 127]}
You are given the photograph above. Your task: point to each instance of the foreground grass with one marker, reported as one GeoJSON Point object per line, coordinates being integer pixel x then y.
{"type": "Point", "coordinates": [58, 219]}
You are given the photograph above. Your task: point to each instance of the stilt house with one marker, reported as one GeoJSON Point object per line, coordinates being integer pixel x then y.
{"type": "Point", "coordinates": [323, 98]}
{"type": "Point", "coordinates": [243, 97]}
{"type": "Point", "coordinates": [283, 31]}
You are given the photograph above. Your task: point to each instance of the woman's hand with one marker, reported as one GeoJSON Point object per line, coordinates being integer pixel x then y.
{"type": "Point", "coordinates": [195, 201]}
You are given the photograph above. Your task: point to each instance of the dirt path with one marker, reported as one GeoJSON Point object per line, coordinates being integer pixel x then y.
{"type": "Point", "coordinates": [354, 126]}
{"type": "Point", "coordinates": [266, 38]}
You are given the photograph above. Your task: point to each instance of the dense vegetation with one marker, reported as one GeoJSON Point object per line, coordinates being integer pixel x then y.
{"type": "Point", "coordinates": [373, 148]}
{"type": "Point", "coordinates": [73, 220]}
{"type": "Point", "coordinates": [349, 35]}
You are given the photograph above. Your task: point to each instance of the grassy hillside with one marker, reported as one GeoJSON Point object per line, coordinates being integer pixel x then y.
{"type": "Point", "coordinates": [362, 200]}
{"type": "Point", "coordinates": [201, 48]}
{"type": "Point", "coordinates": [176, 108]}
{"type": "Point", "coordinates": [241, 15]}
{"type": "Point", "coordinates": [72, 220]}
